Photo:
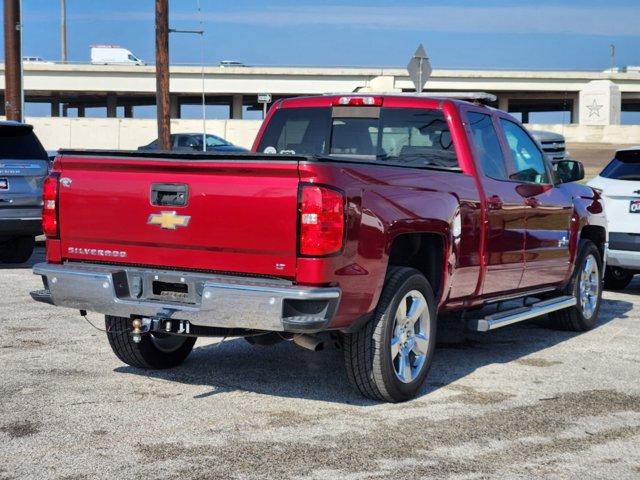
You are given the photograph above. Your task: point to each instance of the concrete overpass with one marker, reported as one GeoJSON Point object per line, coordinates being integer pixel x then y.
{"type": "Point", "coordinates": [81, 86]}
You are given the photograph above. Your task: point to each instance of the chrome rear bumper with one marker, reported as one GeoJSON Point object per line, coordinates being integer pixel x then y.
{"type": "Point", "coordinates": [208, 300]}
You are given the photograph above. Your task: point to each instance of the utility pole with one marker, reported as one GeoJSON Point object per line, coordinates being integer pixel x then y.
{"type": "Point", "coordinates": [162, 74]}
{"type": "Point", "coordinates": [12, 61]}
{"type": "Point", "coordinates": [63, 31]}
{"type": "Point", "coordinates": [612, 54]}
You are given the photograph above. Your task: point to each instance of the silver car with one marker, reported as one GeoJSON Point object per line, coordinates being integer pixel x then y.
{"type": "Point", "coordinates": [23, 166]}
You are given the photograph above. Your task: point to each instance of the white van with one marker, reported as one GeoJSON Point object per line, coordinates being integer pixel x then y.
{"type": "Point", "coordinates": [113, 55]}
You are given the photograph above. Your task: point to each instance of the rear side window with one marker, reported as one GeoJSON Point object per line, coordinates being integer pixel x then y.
{"type": "Point", "coordinates": [487, 145]}
{"type": "Point", "coordinates": [401, 136]}
{"type": "Point", "coordinates": [416, 137]}
{"type": "Point", "coordinates": [20, 143]}
{"type": "Point", "coordinates": [626, 166]}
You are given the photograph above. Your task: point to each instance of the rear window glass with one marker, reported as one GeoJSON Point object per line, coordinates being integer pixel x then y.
{"type": "Point", "coordinates": [401, 136]}
{"type": "Point", "coordinates": [626, 166]}
{"type": "Point", "coordinates": [20, 143]}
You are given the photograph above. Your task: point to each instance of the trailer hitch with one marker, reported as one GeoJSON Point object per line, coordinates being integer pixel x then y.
{"type": "Point", "coordinates": [161, 321]}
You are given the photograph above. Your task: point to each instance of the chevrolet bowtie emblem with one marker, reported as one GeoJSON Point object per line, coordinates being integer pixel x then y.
{"type": "Point", "coordinates": [168, 220]}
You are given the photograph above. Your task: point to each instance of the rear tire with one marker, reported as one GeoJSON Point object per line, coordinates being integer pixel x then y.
{"type": "Point", "coordinates": [586, 286]}
{"type": "Point", "coordinates": [155, 350]}
{"type": "Point", "coordinates": [17, 250]}
{"type": "Point", "coordinates": [389, 358]}
{"type": "Point", "coordinates": [616, 278]}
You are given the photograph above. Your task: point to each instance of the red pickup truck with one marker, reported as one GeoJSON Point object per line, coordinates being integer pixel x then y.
{"type": "Point", "coordinates": [364, 216]}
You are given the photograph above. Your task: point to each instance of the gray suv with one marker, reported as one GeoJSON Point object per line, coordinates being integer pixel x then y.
{"type": "Point", "coordinates": [23, 166]}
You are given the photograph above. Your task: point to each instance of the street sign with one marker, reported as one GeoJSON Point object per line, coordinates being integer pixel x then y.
{"type": "Point", "coordinates": [419, 68]}
{"type": "Point", "coordinates": [264, 98]}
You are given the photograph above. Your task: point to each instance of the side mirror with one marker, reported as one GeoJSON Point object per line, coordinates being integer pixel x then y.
{"type": "Point", "coordinates": [568, 170]}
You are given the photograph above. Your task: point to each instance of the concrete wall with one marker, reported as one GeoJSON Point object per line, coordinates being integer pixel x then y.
{"type": "Point", "coordinates": [130, 133]}
{"type": "Point", "coordinates": [575, 133]}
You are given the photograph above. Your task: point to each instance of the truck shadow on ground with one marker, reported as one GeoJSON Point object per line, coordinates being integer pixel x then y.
{"type": "Point", "coordinates": [286, 370]}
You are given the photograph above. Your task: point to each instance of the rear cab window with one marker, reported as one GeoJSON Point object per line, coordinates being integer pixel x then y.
{"type": "Point", "coordinates": [625, 166]}
{"type": "Point", "coordinates": [415, 137]}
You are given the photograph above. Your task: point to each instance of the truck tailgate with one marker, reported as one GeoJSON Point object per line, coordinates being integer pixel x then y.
{"type": "Point", "coordinates": [240, 214]}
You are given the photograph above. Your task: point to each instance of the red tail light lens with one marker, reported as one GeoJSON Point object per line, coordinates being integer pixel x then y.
{"type": "Point", "coordinates": [50, 206]}
{"type": "Point", "coordinates": [321, 221]}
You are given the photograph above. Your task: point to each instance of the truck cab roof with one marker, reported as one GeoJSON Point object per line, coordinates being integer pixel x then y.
{"type": "Point", "coordinates": [392, 99]}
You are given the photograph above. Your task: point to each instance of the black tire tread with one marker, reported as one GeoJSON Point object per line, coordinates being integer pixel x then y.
{"type": "Point", "coordinates": [570, 319]}
{"type": "Point", "coordinates": [141, 355]}
{"type": "Point", "coordinates": [17, 250]}
{"type": "Point", "coordinates": [614, 283]}
{"type": "Point", "coordinates": [363, 363]}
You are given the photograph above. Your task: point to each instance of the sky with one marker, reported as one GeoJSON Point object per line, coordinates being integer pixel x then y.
{"type": "Point", "coordinates": [469, 34]}
{"type": "Point", "coordinates": [541, 34]}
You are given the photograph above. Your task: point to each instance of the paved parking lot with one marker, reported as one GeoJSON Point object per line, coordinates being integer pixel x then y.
{"type": "Point", "coordinates": [521, 402]}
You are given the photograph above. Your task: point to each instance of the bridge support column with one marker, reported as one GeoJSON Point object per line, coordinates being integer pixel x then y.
{"type": "Point", "coordinates": [112, 105]}
{"type": "Point", "coordinates": [600, 103]}
{"type": "Point", "coordinates": [503, 103]}
{"type": "Point", "coordinates": [236, 107]}
{"type": "Point", "coordinates": [575, 110]}
{"type": "Point", "coordinates": [525, 116]}
{"type": "Point", "coordinates": [174, 106]}
{"type": "Point", "coordinates": [128, 111]}
{"type": "Point", "coordinates": [55, 106]}
{"type": "Point", "coordinates": [81, 111]}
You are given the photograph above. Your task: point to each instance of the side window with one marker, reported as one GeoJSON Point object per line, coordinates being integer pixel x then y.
{"type": "Point", "coordinates": [528, 161]}
{"type": "Point", "coordinates": [487, 146]}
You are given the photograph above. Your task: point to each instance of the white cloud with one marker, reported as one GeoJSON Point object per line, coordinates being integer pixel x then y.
{"type": "Point", "coordinates": [516, 19]}
{"type": "Point", "coordinates": [526, 19]}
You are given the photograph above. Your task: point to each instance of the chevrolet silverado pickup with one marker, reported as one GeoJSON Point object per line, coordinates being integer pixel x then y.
{"type": "Point", "coordinates": [358, 217]}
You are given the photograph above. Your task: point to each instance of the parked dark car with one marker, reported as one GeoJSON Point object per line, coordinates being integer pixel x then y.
{"type": "Point", "coordinates": [23, 166]}
{"type": "Point", "coordinates": [193, 141]}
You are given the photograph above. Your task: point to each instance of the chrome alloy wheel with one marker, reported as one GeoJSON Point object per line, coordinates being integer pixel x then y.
{"type": "Point", "coordinates": [166, 343]}
{"type": "Point", "coordinates": [589, 286]}
{"type": "Point", "coordinates": [410, 341]}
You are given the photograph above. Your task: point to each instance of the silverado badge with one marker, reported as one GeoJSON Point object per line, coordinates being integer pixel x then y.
{"type": "Point", "coordinates": [168, 220]}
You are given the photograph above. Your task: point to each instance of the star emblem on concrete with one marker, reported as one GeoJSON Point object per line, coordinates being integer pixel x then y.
{"type": "Point", "coordinates": [594, 109]}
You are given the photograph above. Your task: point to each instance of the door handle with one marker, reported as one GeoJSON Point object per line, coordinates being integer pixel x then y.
{"type": "Point", "coordinates": [532, 202]}
{"type": "Point", "coordinates": [169, 194]}
{"type": "Point", "coordinates": [494, 202]}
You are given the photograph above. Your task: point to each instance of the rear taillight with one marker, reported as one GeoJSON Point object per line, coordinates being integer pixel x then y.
{"type": "Point", "coordinates": [50, 206]}
{"type": "Point", "coordinates": [321, 221]}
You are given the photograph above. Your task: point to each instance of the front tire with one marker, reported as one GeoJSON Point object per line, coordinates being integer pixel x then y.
{"type": "Point", "coordinates": [616, 278]}
{"type": "Point", "coordinates": [389, 358]}
{"type": "Point", "coordinates": [154, 351]}
{"type": "Point", "coordinates": [17, 250]}
{"type": "Point", "coordinates": [586, 286]}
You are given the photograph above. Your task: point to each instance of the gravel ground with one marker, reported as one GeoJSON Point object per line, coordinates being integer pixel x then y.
{"type": "Point", "coordinates": [521, 402]}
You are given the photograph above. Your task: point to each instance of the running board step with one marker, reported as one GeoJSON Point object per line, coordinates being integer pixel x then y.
{"type": "Point", "coordinates": [502, 319]}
